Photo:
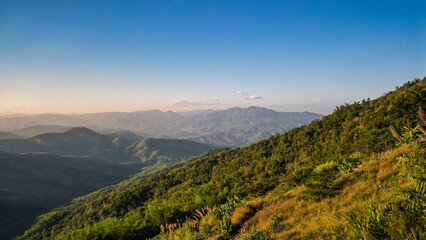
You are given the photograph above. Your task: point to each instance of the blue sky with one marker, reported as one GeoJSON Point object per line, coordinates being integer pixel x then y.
{"type": "Point", "coordinates": [92, 56]}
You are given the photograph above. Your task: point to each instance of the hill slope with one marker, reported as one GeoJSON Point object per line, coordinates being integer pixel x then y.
{"type": "Point", "coordinates": [164, 150]}
{"type": "Point", "coordinates": [82, 141]}
{"type": "Point", "coordinates": [6, 135]}
{"type": "Point", "coordinates": [312, 157]}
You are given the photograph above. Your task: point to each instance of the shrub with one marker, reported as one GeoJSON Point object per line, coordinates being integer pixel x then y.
{"type": "Point", "coordinates": [372, 225]}
{"type": "Point", "coordinates": [255, 234]}
{"type": "Point", "coordinates": [274, 224]}
{"type": "Point", "coordinates": [347, 164]}
{"type": "Point", "coordinates": [321, 182]}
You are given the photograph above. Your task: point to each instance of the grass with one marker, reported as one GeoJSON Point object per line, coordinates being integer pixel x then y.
{"type": "Point", "coordinates": [303, 218]}
{"type": "Point", "coordinates": [287, 213]}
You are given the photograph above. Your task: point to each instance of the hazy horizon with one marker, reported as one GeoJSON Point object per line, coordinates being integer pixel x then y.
{"type": "Point", "coordinates": [158, 109]}
{"type": "Point", "coordinates": [56, 57]}
{"type": "Point", "coordinates": [282, 108]}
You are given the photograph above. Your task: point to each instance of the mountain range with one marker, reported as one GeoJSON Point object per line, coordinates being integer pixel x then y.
{"type": "Point", "coordinates": [82, 141]}
{"type": "Point", "coordinates": [7, 135]}
{"type": "Point", "coordinates": [232, 127]}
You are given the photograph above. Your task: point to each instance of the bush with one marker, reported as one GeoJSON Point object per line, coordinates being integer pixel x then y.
{"type": "Point", "coordinates": [257, 235]}
{"type": "Point", "coordinates": [321, 182]}
{"type": "Point", "coordinates": [347, 164]}
{"type": "Point", "coordinates": [274, 224]}
{"type": "Point", "coordinates": [372, 225]}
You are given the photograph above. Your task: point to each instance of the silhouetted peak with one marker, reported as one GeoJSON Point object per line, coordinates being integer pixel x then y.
{"type": "Point", "coordinates": [80, 130]}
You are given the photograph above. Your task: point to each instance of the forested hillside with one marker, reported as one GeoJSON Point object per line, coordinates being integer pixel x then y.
{"type": "Point", "coordinates": [313, 167]}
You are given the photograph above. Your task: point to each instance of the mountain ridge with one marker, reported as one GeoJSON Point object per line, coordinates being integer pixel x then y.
{"type": "Point", "coordinates": [82, 141]}
{"type": "Point", "coordinates": [157, 124]}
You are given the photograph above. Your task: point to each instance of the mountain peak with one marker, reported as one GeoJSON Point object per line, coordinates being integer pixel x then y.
{"type": "Point", "coordinates": [257, 107]}
{"type": "Point", "coordinates": [80, 130]}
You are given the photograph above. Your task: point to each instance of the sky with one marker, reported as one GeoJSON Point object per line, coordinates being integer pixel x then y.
{"type": "Point", "coordinates": [95, 56]}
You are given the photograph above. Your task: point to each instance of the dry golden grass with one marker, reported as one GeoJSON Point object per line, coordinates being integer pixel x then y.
{"type": "Point", "coordinates": [303, 219]}
{"type": "Point", "coordinates": [300, 217]}
{"type": "Point", "coordinates": [240, 213]}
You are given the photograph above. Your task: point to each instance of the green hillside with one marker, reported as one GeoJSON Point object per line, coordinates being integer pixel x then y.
{"type": "Point", "coordinates": [302, 176]}
{"type": "Point", "coordinates": [164, 150]}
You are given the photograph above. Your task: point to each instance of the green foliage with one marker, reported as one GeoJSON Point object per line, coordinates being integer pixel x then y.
{"type": "Point", "coordinates": [411, 134]}
{"type": "Point", "coordinates": [412, 202]}
{"type": "Point", "coordinates": [412, 199]}
{"type": "Point", "coordinates": [405, 218]}
{"type": "Point", "coordinates": [274, 224]}
{"type": "Point", "coordinates": [206, 223]}
{"type": "Point", "coordinates": [372, 225]}
{"type": "Point", "coordinates": [227, 208]}
{"type": "Point", "coordinates": [347, 164]}
{"type": "Point", "coordinates": [256, 235]}
{"type": "Point", "coordinates": [321, 182]}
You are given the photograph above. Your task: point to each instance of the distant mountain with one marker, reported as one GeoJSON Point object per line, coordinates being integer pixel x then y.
{"type": "Point", "coordinates": [19, 122]}
{"type": "Point", "coordinates": [82, 141]}
{"type": "Point", "coordinates": [31, 184]}
{"type": "Point", "coordinates": [241, 126]}
{"type": "Point", "coordinates": [40, 129]}
{"type": "Point", "coordinates": [232, 127]}
{"type": "Point", "coordinates": [77, 142]}
{"type": "Point", "coordinates": [197, 112]}
{"type": "Point", "coordinates": [123, 134]}
{"type": "Point", "coordinates": [7, 135]}
{"type": "Point", "coordinates": [164, 150]}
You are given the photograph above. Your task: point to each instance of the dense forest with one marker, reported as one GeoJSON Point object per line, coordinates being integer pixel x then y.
{"type": "Point", "coordinates": [357, 173]}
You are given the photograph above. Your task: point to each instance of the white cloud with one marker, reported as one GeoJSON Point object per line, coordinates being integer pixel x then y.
{"type": "Point", "coordinates": [19, 105]}
{"type": "Point", "coordinates": [179, 104]}
{"type": "Point", "coordinates": [254, 97]}
{"type": "Point", "coordinates": [239, 92]}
